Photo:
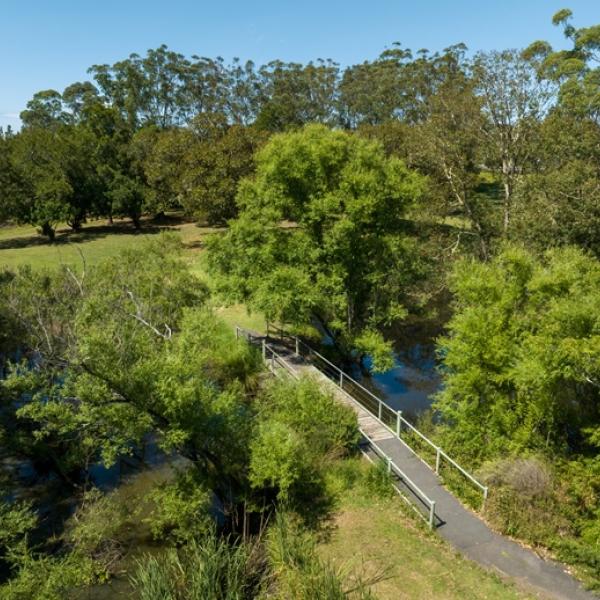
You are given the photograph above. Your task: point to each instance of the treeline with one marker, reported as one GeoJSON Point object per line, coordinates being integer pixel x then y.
{"type": "Point", "coordinates": [509, 140]}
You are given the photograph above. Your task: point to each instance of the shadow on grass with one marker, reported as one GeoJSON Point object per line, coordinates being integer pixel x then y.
{"type": "Point", "coordinates": [89, 233]}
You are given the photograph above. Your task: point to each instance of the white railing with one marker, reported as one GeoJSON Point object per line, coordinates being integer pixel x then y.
{"type": "Point", "coordinates": [386, 415]}
{"type": "Point", "coordinates": [409, 483]}
{"type": "Point", "coordinates": [273, 358]}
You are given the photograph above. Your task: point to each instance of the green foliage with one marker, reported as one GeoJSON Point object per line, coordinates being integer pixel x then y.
{"type": "Point", "coordinates": [143, 355]}
{"type": "Point", "coordinates": [127, 196]}
{"type": "Point", "coordinates": [280, 459]}
{"type": "Point", "coordinates": [343, 248]}
{"type": "Point", "coordinates": [575, 69]}
{"type": "Point", "coordinates": [370, 343]}
{"type": "Point", "coordinates": [558, 205]}
{"type": "Point", "coordinates": [520, 389]}
{"type": "Point", "coordinates": [99, 529]}
{"type": "Point", "coordinates": [300, 426]}
{"type": "Point", "coordinates": [16, 521]}
{"type": "Point", "coordinates": [180, 509]}
{"type": "Point", "coordinates": [520, 359]}
{"type": "Point", "coordinates": [50, 578]}
{"type": "Point", "coordinates": [209, 568]}
{"type": "Point", "coordinates": [328, 426]}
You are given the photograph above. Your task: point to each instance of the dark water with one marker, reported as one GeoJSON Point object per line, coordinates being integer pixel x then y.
{"type": "Point", "coordinates": [413, 381]}
{"type": "Point", "coordinates": [411, 384]}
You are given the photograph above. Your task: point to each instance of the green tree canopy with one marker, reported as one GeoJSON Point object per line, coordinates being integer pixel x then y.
{"type": "Point", "coordinates": [320, 237]}
{"type": "Point", "coordinates": [521, 368]}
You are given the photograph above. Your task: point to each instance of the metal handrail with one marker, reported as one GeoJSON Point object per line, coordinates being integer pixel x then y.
{"type": "Point", "coordinates": [392, 466]}
{"type": "Point", "coordinates": [399, 418]}
{"type": "Point", "coordinates": [381, 405]}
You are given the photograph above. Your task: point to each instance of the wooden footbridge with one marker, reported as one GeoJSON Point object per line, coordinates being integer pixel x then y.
{"type": "Point", "coordinates": [422, 472]}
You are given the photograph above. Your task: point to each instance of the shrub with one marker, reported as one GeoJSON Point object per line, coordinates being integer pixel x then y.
{"type": "Point", "coordinates": [327, 425]}
{"type": "Point", "coordinates": [280, 459]}
{"type": "Point", "coordinates": [523, 501]}
{"type": "Point", "coordinates": [180, 509]}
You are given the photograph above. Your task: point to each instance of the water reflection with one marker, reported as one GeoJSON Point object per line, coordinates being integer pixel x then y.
{"type": "Point", "coordinates": [410, 385]}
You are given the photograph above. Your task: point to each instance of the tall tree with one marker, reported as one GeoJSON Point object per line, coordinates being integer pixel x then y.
{"type": "Point", "coordinates": [320, 236]}
{"type": "Point", "coordinates": [514, 100]}
{"type": "Point", "coordinates": [521, 355]}
{"type": "Point", "coordinates": [295, 94]}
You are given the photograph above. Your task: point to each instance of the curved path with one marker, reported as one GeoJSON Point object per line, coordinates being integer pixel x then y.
{"type": "Point", "coordinates": [461, 527]}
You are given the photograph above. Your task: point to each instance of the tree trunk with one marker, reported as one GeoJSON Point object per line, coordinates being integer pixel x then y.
{"type": "Point", "coordinates": [48, 231]}
{"type": "Point", "coordinates": [508, 170]}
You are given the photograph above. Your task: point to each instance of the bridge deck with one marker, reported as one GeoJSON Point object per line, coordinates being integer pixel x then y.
{"type": "Point", "coordinates": [461, 527]}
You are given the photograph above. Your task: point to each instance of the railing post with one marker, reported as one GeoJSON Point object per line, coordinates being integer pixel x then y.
{"type": "Point", "coordinates": [398, 422]}
{"type": "Point", "coordinates": [264, 350]}
{"type": "Point", "coordinates": [437, 460]}
{"type": "Point", "coordinates": [389, 464]}
{"type": "Point", "coordinates": [297, 347]}
{"type": "Point", "coordinates": [237, 332]}
{"type": "Point", "coordinates": [431, 514]}
{"type": "Point", "coordinates": [342, 379]}
{"type": "Point", "coordinates": [380, 410]}
{"type": "Point", "coordinates": [485, 496]}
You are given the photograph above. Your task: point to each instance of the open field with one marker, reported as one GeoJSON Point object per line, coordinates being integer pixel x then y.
{"type": "Point", "coordinates": [22, 245]}
{"type": "Point", "coordinates": [96, 241]}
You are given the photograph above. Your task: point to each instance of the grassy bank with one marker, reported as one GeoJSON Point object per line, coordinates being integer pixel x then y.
{"type": "Point", "coordinates": [380, 538]}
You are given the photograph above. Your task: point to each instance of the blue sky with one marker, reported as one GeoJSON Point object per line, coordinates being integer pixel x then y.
{"type": "Point", "coordinates": [51, 43]}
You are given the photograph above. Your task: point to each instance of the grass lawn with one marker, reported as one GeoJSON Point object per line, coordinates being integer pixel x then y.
{"type": "Point", "coordinates": [21, 245]}
{"type": "Point", "coordinates": [373, 537]}
{"type": "Point", "coordinates": [96, 241]}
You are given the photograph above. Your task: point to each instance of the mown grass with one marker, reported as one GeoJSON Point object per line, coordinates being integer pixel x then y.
{"type": "Point", "coordinates": [371, 535]}
{"type": "Point", "coordinates": [95, 241]}
{"type": "Point", "coordinates": [22, 245]}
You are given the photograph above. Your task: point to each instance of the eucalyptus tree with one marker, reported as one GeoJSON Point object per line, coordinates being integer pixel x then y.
{"type": "Point", "coordinates": [560, 197]}
{"type": "Point", "coordinates": [372, 92]}
{"type": "Point", "coordinates": [514, 100]}
{"type": "Point", "coordinates": [45, 109]}
{"type": "Point", "coordinates": [293, 94]}
{"type": "Point", "coordinates": [576, 69]}
{"type": "Point", "coordinates": [559, 202]}
{"type": "Point", "coordinates": [145, 89]}
{"type": "Point", "coordinates": [245, 95]}
{"type": "Point", "coordinates": [320, 237]}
